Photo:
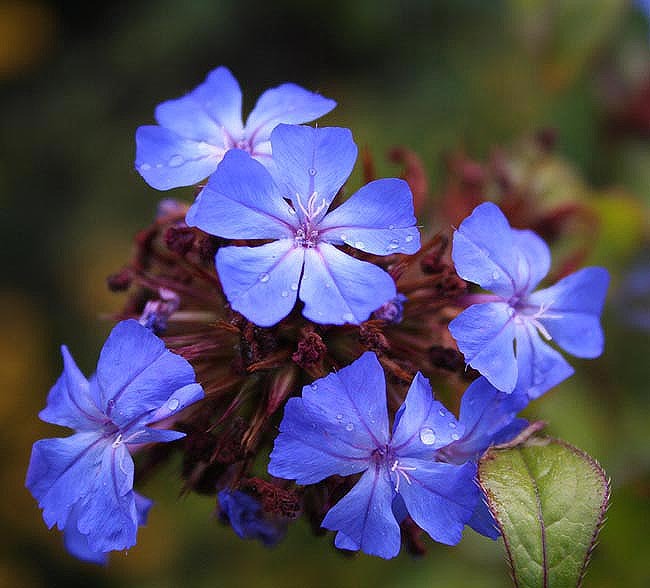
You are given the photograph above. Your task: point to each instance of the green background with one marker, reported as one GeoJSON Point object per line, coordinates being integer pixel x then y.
{"type": "Point", "coordinates": [77, 78]}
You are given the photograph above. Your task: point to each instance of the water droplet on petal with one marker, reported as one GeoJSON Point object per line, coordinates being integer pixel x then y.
{"type": "Point", "coordinates": [348, 317]}
{"type": "Point", "coordinates": [312, 171]}
{"type": "Point", "coordinates": [145, 167]}
{"type": "Point", "coordinates": [452, 424]}
{"type": "Point", "coordinates": [173, 403]}
{"type": "Point", "coordinates": [313, 386]}
{"type": "Point", "coordinates": [339, 417]}
{"type": "Point", "coordinates": [427, 436]}
{"type": "Point", "coordinates": [349, 427]}
{"type": "Point", "coordinates": [455, 436]}
{"type": "Point", "coordinates": [176, 160]}
{"type": "Point", "coordinates": [343, 236]}
{"type": "Point", "coordinates": [442, 412]}
{"type": "Point", "coordinates": [284, 293]}
{"type": "Point", "coordinates": [294, 286]}
{"type": "Point", "coordinates": [408, 238]}
{"type": "Point", "coordinates": [495, 275]}
{"type": "Point", "coordinates": [359, 244]}
{"type": "Point", "coordinates": [391, 227]}
{"type": "Point", "coordinates": [264, 277]}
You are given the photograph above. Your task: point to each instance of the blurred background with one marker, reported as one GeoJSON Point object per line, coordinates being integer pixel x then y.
{"type": "Point", "coordinates": [458, 76]}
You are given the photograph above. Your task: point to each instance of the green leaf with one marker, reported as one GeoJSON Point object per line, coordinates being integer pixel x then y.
{"type": "Point", "coordinates": [549, 500]}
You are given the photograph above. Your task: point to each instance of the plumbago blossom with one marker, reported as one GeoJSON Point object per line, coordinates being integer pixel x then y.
{"type": "Point", "coordinates": [511, 263]}
{"type": "Point", "coordinates": [340, 426]}
{"type": "Point", "coordinates": [242, 200]}
{"type": "Point", "coordinates": [84, 483]}
{"type": "Point", "coordinates": [195, 131]}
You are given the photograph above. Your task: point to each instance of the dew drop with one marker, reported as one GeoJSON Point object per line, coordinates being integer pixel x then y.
{"type": "Point", "coordinates": [495, 275]}
{"type": "Point", "coordinates": [455, 436]}
{"type": "Point", "coordinates": [264, 277]}
{"type": "Point", "coordinates": [173, 404]}
{"type": "Point", "coordinates": [284, 293]}
{"type": "Point", "coordinates": [427, 436]}
{"type": "Point", "coordinates": [452, 424]}
{"type": "Point", "coordinates": [176, 160]}
{"type": "Point", "coordinates": [312, 171]}
{"type": "Point", "coordinates": [343, 236]}
{"type": "Point", "coordinates": [442, 412]}
{"type": "Point", "coordinates": [339, 417]}
{"type": "Point", "coordinates": [408, 238]}
{"type": "Point", "coordinates": [145, 167]}
{"type": "Point", "coordinates": [359, 244]}
{"type": "Point", "coordinates": [348, 317]}
{"type": "Point", "coordinates": [391, 227]}
{"type": "Point", "coordinates": [349, 427]}
{"type": "Point", "coordinates": [294, 286]}
{"type": "Point", "coordinates": [313, 386]}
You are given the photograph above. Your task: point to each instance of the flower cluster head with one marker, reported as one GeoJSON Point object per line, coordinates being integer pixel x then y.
{"type": "Point", "coordinates": [511, 263]}
{"type": "Point", "coordinates": [242, 200]}
{"type": "Point", "coordinates": [84, 483]}
{"type": "Point", "coordinates": [272, 282]}
{"type": "Point", "coordinates": [195, 131]}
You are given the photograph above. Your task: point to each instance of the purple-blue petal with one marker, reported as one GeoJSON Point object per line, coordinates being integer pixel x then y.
{"type": "Point", "coordinates": [306, 451]}
{"type": "Point", "coordinates": [241, 201]}
{"type": "Point", "coordinates": [77, 543]}
{"type": "Point", "coordinates": [365, 518]}
{"type": "Point", "coordinates": [485, 334]}
{"type": "Point", "coordinates": [570, 311]}
{"type": "Point", "coordinates": [337, 288]}
{"type": "Point", "coordinates": [166, 160]}
{"type": "Point", "coordinates": [440, 497]}
{"type": "Point", "coordinates": [312, 160]}
{"type": "Point", "coordinates": [70, 402]}
{"type": "Point", "coordinates": [423, 425]}
{"type": "Point", "coordinates": [178, 401]}
{"type": "Point", "coordinates": [261, 282]}
{"type": "Point", "coordinates": [483, 522]}
{"type": "Point", "coordinates": [61, 472]}
{"type": "Point", "coordinates": [377, 219]}
{"type": "Point", "coordinates": [485, 412]}
{"type": "Point", "coordinates": [539, 366]}
{"type": "Point", "coordinates": [137, 374]}
{"type": "Point", "coordinates": [534, 260]}
{"type": "Point", "coordinates": [484, 251]}
{"type": "Point", "coordinates": [287, 103]}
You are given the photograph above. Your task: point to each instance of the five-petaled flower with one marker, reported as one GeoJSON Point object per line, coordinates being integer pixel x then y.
{"type": "Point", "coordinates": [242, 200]}
{"type": "Point", "coordinates": [195, 131]}
{"type": "Point", "coordinates": [84, 483]}
{"type": "Point", "coordinates": [340, 426]}
{"type": "Point", "coordinates": [510, 263]}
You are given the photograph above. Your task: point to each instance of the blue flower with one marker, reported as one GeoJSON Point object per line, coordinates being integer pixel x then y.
{"type": "Point", "coordinates": [195, 131]}
{"type": "Point", "coordinates": [243, 201]}
{"type": "Point", "coordinates": [84, 483]}
{"type": "Point", "coordinates": [503, 336]}
{"type": "Point", "coordinates": [245, 515]}
{"type": "Point", "coordinates": [340, 426]}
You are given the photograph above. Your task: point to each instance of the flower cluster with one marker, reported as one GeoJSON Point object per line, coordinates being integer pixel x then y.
{"type": "Point", "coordinates": [272, 282]}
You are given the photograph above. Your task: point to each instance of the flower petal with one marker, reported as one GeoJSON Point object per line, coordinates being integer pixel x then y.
{"type": "Point", "coordinates": [261, 282]}
{"type": "Point", "coordinates": [287, 103]}
{"type": "Point", "coordinates": [377, 219]}
{"type": "Point", "coordinates": [108, 514]}
{"type": "Point", "coordinates": [422, 424]}
{"type": "Point", "coordinates": [571, 311]}
{"type": "Point", "coordinates": [484, 252]}
{"type": "Point", "coordinates": [166, 160]}
{"type": "Point", "coordinates": [483, 522]}
{"type": "Point", "coordinates": [534, 260]}
{"type": "Point", "coordinates": [178, 401]}
{"type": "Point", "coordinates": [485, 412]}
{"type": "Point", "coordinates": [441, 497]}
{"type": "Point", "coordinates": [207, 112]}
{"type": "Point", "coordinates": [306, 452]}
{"type": "Point", "coordinates": [312, 161]}
{"type": "Point", "coordinates": [70, 402]}
{"type": "Point", "coordinates": [539, 366]}
{"type": "Point", "coordinates": [61, 472]}
{"type": "Point", "coordinates": [77, 543]}
{"type": "Point", "coordinates": [137, 374]}
{"type": "Point", "coordinates": [365, 518]}
{"type": "Point", "coordinates": [337, 288]}
{"type": "Point", "coordinates": [241, 201]}
{"type": "Point", "coordinates": [485, 335]}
